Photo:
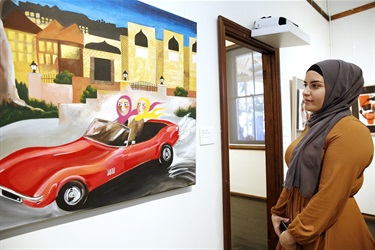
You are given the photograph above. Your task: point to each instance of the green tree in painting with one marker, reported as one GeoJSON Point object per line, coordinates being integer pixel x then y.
{"type": "Point", "coordinates": [181, 112]}
{"type": "Point", "coordinates": [23, 91]}
{"type": "Point", "coordinates": [89, 92]}
{"type": "Point", "coordinates": [64, 77]}
{"type": "Point", "coordinates": [34, 109]}
{"type": "Point", "coordinates": [180, 91]}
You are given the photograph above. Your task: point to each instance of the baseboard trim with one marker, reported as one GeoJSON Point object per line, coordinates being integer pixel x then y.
{"type": "Point", "coordinates": [368, 217]}
{"type": "Point", "coordinates": [249, 196]}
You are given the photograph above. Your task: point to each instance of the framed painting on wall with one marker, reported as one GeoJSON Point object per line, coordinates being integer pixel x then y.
{"type": "Point", "coordinates": [364, 107]}
{"type": "Point", "coordinates": [299, 115]}
{"type": "Point", "coordinates": [99, 108]}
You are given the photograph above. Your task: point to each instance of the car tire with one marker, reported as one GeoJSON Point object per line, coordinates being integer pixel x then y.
{"type": "Point", "coordinates": [166, 155]}
{"type": "Point", "coordinates": [72, 196]}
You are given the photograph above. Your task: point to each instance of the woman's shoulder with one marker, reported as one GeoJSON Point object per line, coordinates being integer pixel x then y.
{"type": "Point", "coordinates": [350, 125]}
{"type": "Point", "coordinates": [350, 137]}
{"type": "Point", "coordinates": [351, 120]}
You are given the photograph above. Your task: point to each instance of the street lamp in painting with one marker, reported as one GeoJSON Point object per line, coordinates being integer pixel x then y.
{"type": "Point", "coordinates": [33, 66]}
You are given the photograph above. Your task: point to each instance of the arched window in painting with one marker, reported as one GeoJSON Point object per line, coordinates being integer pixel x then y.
{"type": "Point", "coordinates": [141, 43]}
{"type": "Point", "coordinates": [141, 39]}
{"type": "Point", "coordinates": [194, 48]}
{"type": "Point", "coordinates": [194, 52]}
{"type": "Point", "coordinates": [173, 44]}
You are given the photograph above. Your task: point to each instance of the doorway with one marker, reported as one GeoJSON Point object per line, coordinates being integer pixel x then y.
{"type": "Point", "coordinates": [239, 35]}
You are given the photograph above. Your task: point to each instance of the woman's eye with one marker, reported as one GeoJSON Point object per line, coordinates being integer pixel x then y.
{"type": "Point", "coordinates": [316, 86]}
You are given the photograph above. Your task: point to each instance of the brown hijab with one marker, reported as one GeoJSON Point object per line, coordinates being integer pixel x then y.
{"type": "Point", "coordinates": [343, 84]}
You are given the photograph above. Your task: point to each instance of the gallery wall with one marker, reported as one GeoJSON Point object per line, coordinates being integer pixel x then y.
{"type": "Point", "coordinates": [189, 218]}
{"type": "Point", "coordinates": [248, 168]}
{"type": "Point", "coordinates": [351, 38]}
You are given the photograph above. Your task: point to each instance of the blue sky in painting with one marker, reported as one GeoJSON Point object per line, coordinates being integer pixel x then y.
{"type": "Point", "coordinates": [120, 12]}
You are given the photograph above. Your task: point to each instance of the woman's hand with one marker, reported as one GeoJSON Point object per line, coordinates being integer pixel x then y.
{"type": "Point", "coordinates": [276, 223]}
{"type": "Point", "coordinates": [287, 241]}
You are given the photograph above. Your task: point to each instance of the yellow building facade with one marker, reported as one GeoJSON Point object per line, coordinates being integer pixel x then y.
{"type": "Point", "coordinates": [144, 57]}
{"type": "Point", "coordinates": [23, 47]}
{"type": "Point", "coordinates": [147, 59]}
{"type": "Point", "coordinates": [141, 53]}
{"type": "Point", "coordinates": [88, 53]}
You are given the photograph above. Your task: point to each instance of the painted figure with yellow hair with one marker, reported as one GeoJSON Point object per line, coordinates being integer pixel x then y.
{"type": "Point", "coordinates": [145, 111]}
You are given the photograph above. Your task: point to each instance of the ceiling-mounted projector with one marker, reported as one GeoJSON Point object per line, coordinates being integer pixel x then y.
{"type": "Point", "coordinates": [279, 32]}
{"type": "Point", "coordinates": [271, 21]}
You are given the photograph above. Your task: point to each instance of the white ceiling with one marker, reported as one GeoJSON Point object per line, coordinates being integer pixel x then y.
{"type": "Point", "coordinates": [332, 7]}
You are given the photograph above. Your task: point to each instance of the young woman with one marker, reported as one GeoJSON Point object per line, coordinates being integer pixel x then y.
{"type": "Point", "coordinates": [326, 165]}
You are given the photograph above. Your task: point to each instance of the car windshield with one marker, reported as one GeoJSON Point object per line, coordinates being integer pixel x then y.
{"type": "Point", "coordinates": [109, 133]}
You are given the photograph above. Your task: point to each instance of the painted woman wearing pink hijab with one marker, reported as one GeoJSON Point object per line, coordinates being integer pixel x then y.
{"type": "Point", "coordinates": [124, 109]}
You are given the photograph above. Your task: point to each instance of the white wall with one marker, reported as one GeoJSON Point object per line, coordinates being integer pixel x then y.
{"type": "Point", "coordinates": [189, 218]}
{"type": "Point", "coordinates": [353, 39]}
{"type": "Point", "coordinates": [248, 172]}
{"type": "Point", "coordinates": [250, 178]}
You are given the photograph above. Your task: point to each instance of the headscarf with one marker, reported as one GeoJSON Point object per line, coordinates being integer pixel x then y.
{"type": "Point", "coordinates": [343, 84]}
{"type": "Point", "coordinates": [124, 118]}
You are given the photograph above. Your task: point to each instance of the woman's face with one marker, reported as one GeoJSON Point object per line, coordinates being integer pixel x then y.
{"type": "Point", "coordinates": [141, 106]}
{"type": "Point", "coordinates": [314, 91]}
{"type": "Point", "coordinates": [123, 106]}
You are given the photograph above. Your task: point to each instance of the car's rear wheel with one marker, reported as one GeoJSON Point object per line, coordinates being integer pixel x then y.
{"type": "Point", "coordinates": [166, 155]}
{"type": "Point", "coordinates": [72, 196]}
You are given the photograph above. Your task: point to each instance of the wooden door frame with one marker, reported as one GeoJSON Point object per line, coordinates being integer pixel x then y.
{"type": "Point", "coordinates": [273, 121]}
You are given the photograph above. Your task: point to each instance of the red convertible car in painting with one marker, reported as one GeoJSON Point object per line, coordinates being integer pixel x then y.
{"type": "Point", "coordinates": [37, 176]}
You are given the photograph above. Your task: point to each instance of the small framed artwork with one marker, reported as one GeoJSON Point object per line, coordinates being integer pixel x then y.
{"type": "Point", "coordinates": [302, 114]}
{"type": "Point", "coordinates": [364, 107]}
{"type": "Point", "coordinates": [298, 113]}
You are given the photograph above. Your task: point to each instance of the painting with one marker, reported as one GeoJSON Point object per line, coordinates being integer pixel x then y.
{"type": "Point", "coordinates": [364, 108]}
{"type": "Point", "coordinates": [97, 106]}
{"type": "Point", "coordinates": [302, 114]}
{"type": "Point", "coordinates": [299, 115]}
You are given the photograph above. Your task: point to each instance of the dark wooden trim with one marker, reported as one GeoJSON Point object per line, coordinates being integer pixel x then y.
{"type": "Point", "coordinates": [369, 217]}
{"type": "Point", "coordinates": [353, 11]}
{"type": "Point", "coordinates": [224, 133]}
{"type": "Point", "coordinates": [248, 196]}
{"type": "Point", "coordinates": [242, 36]}
{"type": "Point", "coordinates": [317, 8]}
{"type": "Point", "coordinates": [248, 147]}
{"type": "Point", "coordinates": [274, 139]}
{"type": "Point", "coordinates": [341, 14]}
{"type": "Point", "coordinates": [228, 29]}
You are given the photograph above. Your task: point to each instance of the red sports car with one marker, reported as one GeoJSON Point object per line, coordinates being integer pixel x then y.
{"type": "Point", "coordinates": [37, 176]}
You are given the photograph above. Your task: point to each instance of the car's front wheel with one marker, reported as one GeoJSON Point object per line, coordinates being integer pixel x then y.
{"type": "Point", "coordinates": [72, 196]}
{"type": "Point", "coordinates": [166, 155]}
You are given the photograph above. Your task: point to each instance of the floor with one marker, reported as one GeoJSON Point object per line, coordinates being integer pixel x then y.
{"type": "Point", "coordinates": [249, 230]}
{"type": "Point", "coordinates": [249, 218]}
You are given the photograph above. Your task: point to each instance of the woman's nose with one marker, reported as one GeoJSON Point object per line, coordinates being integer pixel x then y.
{"type": "Point", "coordinates": [306, 91]}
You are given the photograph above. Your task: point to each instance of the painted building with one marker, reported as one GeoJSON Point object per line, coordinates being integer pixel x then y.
{"type": "Point", "coordinates": [59, 49]}
{"type": "Point", "coordinates": [60, 40]}
{"type": "Point", "coordinates": [21, 33]}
